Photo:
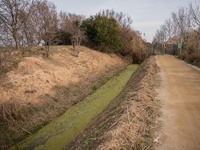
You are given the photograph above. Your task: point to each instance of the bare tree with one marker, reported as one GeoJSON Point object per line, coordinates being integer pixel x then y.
{"type": "Point", "coordinates": [169, 26]}
{"type": "Point", "coordinates": [44, 17]}
{"type": "Point", "coordinates": [71, 23]}
{"type": "Point", "coordinates": [159, 39]}
{"type": "Point", "coordinates": [78, 34]}
{"type": "Point", "coordinates": [12, 16]}
{"type": "Point", "coordinates": [183, 28]}
{"type": "Point", "coordinates": [182, 22]}
{"type": "Point", "coordinates": [163, 36]}
{"type": "Point", "coordinates": [195, 13]}
{"type": "Point", "coordinates": [29, 32]}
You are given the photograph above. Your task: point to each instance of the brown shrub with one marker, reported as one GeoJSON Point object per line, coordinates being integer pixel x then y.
{"type": "Point", "coordinates": [192, 57]}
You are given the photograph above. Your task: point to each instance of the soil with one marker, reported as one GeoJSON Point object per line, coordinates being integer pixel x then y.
{"type": "Point", "coordinates": [179, 92]}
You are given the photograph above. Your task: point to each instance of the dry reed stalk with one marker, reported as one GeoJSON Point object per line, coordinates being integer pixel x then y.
{"type": "Point", "coordinates": [129, 129]}
{"type": "Point", "coordinates": [12, 112]}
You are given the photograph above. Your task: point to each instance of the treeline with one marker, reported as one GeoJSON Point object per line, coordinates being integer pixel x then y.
{"type": "Point", "coordinates": [37, 22]}
{"type": "Point", "coordinates": [182, 32]}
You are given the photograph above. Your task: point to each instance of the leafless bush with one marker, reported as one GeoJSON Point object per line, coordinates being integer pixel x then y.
{"type": "Point", "coordinates": [191, 57]}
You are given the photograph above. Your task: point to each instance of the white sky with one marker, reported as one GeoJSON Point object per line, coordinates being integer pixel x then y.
{"type": "Point", "coordinates": [147, 15]}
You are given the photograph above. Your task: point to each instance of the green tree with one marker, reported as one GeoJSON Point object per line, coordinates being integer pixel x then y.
{"type": "Point", "coordinates": [103, 33]}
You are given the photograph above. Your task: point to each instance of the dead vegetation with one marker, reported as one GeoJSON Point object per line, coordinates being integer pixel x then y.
{"type": "Point", "coordinates": [129, 120]}
{"type": "Point", "coordinates": [12, 115]}
{"type": "Point", "coordinates": [191, 57]}
{"type": "Point", "coordinates": [39, 89]}
{"type": "Point", "coordinates": [9, 58]}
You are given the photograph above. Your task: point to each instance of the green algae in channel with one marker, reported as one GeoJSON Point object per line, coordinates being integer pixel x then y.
{"type": "Point", "coordinates": [62, 130]}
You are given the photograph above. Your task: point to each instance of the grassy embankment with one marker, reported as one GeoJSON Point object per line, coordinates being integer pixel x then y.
{"type": "Point", "coordinates": [61, 131]}
{"type": "Point", "coordinates": [37, 90]}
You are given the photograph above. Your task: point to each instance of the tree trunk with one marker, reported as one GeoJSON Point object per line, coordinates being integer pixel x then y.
{"type": "Point", "coordinates": [1, 62]}
{"type": "Point", "coordinates": [47, 48]}
{"type": "Point", "coordinates": [16, 39]}
{"type": "Point", "coordinates": [17, 43]}
{"type": "Point", "coordinates": [199, 45]}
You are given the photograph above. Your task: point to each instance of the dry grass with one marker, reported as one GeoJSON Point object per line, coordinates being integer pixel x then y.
{"type": "Point", "coordinates": [9, 59]}
{"type": "Point", "coordinates": [12, 115]}
{"type": "Point", "coordinates": [129, 120]}
{"type": "Point", "coordinates": [132, 129]}
{"type": "Point", "coordinates": [40, 89]}
{"type": "Point", "coordinates": [11, 111]}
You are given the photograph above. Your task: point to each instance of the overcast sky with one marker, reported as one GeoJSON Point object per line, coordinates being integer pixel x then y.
{"type": "Point", "coordinates": [147, 15]}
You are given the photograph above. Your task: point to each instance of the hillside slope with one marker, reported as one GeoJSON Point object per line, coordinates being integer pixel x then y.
{"type": "Point", "coordinates": [36, 76]}
{"type": "Point", "coordinates": [39, 89]}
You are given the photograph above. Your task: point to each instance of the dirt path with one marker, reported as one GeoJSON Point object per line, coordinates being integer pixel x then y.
{"type": "Point", "coordinates": [180, 95]}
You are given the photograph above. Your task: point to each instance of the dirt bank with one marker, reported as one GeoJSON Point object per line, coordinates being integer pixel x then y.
{"type": "Point", "coordinates": [39, 89]}
{"type": "Point", "coordinates": [180, 95]}
{"type": "Point", "coordinates": [129, 120]}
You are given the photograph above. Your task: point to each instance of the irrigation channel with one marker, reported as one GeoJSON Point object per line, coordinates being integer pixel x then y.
{"type": "Point", "coordinates": [61, 131]}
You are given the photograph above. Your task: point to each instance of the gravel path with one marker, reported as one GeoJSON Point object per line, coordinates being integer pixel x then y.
{"type": "Point", "coordinates": [179, 92]}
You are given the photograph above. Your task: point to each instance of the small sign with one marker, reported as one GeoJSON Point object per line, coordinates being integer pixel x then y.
{"type": "Point", "coordinates": [179, 45]}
